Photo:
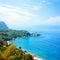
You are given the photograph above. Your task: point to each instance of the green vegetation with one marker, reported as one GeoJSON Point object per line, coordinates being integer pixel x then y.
{"type": "Point", "coordinates": [10, 52]}
{"type": "Point", "coordinates": [13, 53]}
{"type": "Point", "coordinates": [8, 34]}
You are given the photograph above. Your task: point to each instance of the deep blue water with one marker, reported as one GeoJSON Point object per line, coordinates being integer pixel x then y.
{"type": "Point", "coordinates": [46, 46]}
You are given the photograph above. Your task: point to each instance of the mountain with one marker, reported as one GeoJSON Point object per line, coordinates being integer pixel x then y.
{"type": "Point", "coordinates": [3, 25]}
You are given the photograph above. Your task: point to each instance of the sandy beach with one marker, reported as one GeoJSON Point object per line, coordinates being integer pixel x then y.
{"type": "Point", "coordinates": [35, 57]}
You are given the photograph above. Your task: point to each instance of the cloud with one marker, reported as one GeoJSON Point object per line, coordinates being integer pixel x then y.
{"type": "Point", "coordinates": [15, 15]}
{"type": "Point", "coordinates": [36, 7]}
{"type": "Point", "coordinates": [53, 21]}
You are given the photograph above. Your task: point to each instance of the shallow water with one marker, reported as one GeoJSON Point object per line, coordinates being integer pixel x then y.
{"type": "Point", "coordinates": [46, 46]}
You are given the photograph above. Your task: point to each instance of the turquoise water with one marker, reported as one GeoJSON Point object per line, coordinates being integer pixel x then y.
{"type": "Point", "coordinates": [46, 46]}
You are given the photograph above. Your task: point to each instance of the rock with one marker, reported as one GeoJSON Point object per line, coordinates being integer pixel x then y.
{"type": "Point", "coordinates": [28, 34]}
{"type": "Point", "coordinates": [35, 34]}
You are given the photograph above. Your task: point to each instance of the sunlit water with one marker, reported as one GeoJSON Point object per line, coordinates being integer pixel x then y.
{"type": "Point", "coordinates": [46, 46]}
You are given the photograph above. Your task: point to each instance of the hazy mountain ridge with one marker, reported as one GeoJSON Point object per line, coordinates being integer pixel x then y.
{"type": "Point", "coordinates": [3, 25]}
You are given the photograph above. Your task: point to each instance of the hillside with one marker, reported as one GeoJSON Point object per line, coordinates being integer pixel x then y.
{"type": "Point", "coordinates": [3, 25]}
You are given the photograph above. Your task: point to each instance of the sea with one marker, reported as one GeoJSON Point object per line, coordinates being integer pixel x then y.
{"type": "Point", "coordinates": [46, 46]}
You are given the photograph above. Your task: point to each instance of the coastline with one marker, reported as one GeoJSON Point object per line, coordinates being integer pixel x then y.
{"type": "Point", "coordinates": [33, 55]}
{"type": "Point", "coordinates": [27, 52]}
{"type": "Point", "coordinates": [36, 57]}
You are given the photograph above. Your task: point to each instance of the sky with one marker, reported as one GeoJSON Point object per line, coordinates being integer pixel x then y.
{"type": "Point", "coordinates": [30, 13]}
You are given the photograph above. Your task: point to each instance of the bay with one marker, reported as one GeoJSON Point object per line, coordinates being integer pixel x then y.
{"type": "Point", "coordinates": [46, 46]}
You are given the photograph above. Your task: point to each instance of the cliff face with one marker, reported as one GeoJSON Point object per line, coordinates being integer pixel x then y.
{"type": "Point", "coordinates": [3, 25]}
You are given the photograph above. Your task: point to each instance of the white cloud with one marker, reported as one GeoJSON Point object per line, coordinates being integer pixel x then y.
{"type": "Point", "coordinates": [15, 16]}
{"type": "Point", "coordinates": [36, 7]}
{"type": "Point", "coordinates": [53, 21]}
{"type": "Point", "coordinates": [33, 7]}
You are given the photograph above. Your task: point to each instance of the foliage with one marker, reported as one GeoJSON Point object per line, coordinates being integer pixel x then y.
{"type": "Point", "coordinates": [13, 53]}
{"type": "Point", "coordinates": [10, 52]}
{"type": "Point", "coordinates": [8, 34]}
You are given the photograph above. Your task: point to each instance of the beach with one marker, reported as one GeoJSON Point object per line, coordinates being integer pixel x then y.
{"type": "Point", "coordinates": [33, 55]}
{"type": "Point", "coordinates": [36, 58]}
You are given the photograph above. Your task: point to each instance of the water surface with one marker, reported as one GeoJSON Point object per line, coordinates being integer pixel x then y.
{"type": "Point", "coordinates": [46, 46]}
